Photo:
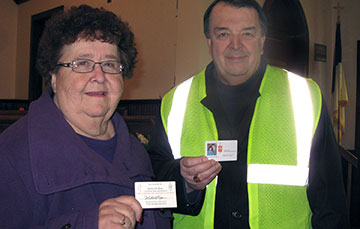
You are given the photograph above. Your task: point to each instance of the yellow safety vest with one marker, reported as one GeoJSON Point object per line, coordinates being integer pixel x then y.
{"type": "Point", "coordinates": [281, 131]}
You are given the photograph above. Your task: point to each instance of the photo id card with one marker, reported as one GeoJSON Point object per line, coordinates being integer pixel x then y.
{"type": "Point", "coordinates": [225, 150]}
{"type": "Point", "coordinates": [156, 194]}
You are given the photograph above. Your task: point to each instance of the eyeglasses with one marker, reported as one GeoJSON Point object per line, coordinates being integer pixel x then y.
{"type": "Point", "coordinates": [86, 66]}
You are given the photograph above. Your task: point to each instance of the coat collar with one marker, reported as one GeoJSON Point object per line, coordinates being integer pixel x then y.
{"type": "Point", "coordinates": [60, 160]}
{"type": "Point", "coordinates": [214, 86]}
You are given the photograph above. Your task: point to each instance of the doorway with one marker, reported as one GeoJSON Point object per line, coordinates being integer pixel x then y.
{"type": "Point", "coordinates": [287, 38]}
{"type": "Point", "coordinates": [37, 27]}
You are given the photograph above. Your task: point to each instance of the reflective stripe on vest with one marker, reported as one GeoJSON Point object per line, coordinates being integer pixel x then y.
{"type": "Point", "coordinates": [176, 116]}
{"type": "Point", "coordinates": [303, 115]}
{"type": "Point", "coordinates": [260, 173]}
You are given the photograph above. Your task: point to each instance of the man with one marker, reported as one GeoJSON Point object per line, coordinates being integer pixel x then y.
{"type": "Point", "coordinates": [287, 173]}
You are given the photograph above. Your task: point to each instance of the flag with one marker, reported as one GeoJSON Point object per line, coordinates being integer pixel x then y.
{"type": "Point", "coordinates": [339, 92]}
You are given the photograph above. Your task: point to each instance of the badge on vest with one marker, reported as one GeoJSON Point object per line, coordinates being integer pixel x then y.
{"type": "Point", "coordinates": [156, 194]}
{"type": "Point", "coordinates": [225, 150]}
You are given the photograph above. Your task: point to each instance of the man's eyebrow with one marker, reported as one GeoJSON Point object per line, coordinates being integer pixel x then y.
{"type": "Point", "coordinates": [252, 28]}
{"type": "Point", "coordinates": [220, 29]}
{"type": "Point", "coordinates": [249, 28]}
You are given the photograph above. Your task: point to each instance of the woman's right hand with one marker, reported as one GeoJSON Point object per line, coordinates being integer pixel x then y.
{"type": "Point", "coordinates": [119, 213]}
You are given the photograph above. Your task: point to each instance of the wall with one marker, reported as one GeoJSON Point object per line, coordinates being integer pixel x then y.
{"type": "Point", "coordinates": [8, 31]}
{"type": "Point", "coordinates": [192, 53]}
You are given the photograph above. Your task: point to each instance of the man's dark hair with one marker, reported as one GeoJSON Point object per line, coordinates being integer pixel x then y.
{"type": "Point", "coordinates": [84, 22]}
{"type": "Point", "coordinates": [236, 3]}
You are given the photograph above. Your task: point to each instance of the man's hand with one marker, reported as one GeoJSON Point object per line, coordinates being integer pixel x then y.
{"type": "Point", "coordinates": [120, 212]}
{"type": "Point", "coordinates": [198, 172]}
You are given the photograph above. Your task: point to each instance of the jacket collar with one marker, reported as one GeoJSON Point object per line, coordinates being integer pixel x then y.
{"type": "Point", "coordinates": [213, 85]}
{"type": "Point", "coordinates": [60, 160]}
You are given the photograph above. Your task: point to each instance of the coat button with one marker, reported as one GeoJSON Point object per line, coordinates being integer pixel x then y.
{"type": "Point", "coordinates": [66, 226]}
{"type": "Point", "coordinates": [236, 215]}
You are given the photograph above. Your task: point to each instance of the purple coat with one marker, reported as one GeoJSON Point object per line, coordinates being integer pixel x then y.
{"type": "Point", "coordinates": [46, 172]}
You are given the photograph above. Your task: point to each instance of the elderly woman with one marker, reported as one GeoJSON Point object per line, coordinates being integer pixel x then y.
{"type": "Point", "coordinates": [70, 162]}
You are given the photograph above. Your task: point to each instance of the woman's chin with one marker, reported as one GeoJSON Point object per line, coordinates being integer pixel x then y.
{"type": "Point", "coordinates": [97, 113]}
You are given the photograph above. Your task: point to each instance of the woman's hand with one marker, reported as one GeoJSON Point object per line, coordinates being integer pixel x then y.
{"type": "Point", "coordinates": [120, 212]}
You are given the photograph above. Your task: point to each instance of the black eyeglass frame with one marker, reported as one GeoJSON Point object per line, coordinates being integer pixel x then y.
{"type": "Point", "coordinates": [73, 66]}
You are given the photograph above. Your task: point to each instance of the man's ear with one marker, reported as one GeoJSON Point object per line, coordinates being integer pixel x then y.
{"type": "Point", "coordinates": [53, 82]}
{"type": "Point", "coordinates": [263, 38]}
{"type": "Point", "coordinates": [208, 41]}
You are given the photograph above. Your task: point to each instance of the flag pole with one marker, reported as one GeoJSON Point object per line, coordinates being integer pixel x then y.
{"type": "Point", "coordinates": [338, 8]}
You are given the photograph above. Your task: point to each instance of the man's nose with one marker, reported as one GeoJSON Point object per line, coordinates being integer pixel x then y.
{"type": "Point", "coordinates": [236, 42]}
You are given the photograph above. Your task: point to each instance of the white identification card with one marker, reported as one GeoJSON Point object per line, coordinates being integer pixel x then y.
{"type": "Point", "coordinates": [225, 150]}
{"type": "Point", "coordinates": [156, 194]}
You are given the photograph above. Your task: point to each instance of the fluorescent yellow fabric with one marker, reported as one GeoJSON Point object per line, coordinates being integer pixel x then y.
{"type": "Point", "coordinates": [190, 145]}
{"type": "Point", "coordinates": [199, 126]}
{"type": "Point", "coordinates": [272, 140]}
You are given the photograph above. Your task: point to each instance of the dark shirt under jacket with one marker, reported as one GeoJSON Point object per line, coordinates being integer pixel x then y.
{"type": "Point", "coordinates": [233, 107]}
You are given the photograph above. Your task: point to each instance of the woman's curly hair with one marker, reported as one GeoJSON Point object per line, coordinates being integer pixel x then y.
{"type": "Point", "coordinates": [84, 22]}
